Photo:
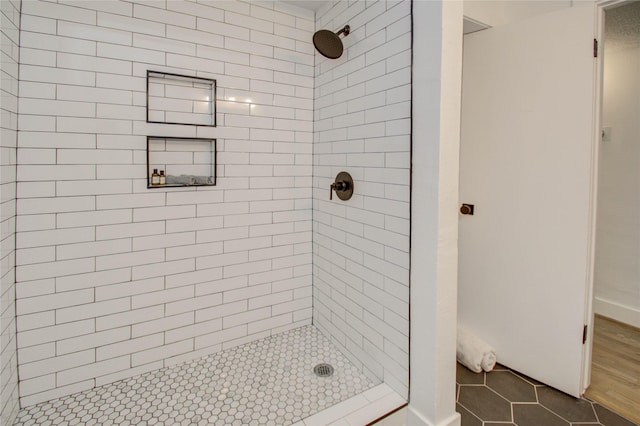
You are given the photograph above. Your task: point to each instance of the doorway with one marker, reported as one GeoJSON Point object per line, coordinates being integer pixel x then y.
{"type": "Point", "coordinates": [526, 164]}
{"type": "Point", "coordinates": [616, 353]}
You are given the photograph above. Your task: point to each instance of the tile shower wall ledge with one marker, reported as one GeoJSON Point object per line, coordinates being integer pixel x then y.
{"type": "Point", "coordinates": [359, 410]}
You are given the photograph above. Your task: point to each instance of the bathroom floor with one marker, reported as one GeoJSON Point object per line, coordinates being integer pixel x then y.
{"type": "Point", "coordinates": [504, 397]}
{"type": "Point", "coordinates": [266, 382]}
{"type": "Point", "coordinates": [615, 370]}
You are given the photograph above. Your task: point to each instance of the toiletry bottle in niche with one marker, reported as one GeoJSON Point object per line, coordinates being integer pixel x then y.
{"type": "Point", "coordinates": [162, 178]}
{"type": "Point", "coordinates": [155, 177]}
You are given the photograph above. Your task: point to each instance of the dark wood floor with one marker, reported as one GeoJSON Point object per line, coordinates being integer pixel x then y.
{"type": "Point", "coordinates": [615, 371]}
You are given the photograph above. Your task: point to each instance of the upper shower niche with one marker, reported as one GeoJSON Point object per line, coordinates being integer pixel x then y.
{"type": "Point", "coordinates": [180, 99]}
{"type": "Point", "coordinates": [328, 43]}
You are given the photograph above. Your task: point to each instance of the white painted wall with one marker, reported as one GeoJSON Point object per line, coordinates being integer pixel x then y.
{"type": "Point", "coordinates": [114, 279]}
{"type": "Point", "coordinates": [437, 68]}
{"type": "Point", "coordinates": [361, 246]}
{"type": "Point", "coordinates": [10, 41]}
{"type": "Point", "coordinates": [495, 13]}
{"type": "Point", "coordinates": [617, 272]}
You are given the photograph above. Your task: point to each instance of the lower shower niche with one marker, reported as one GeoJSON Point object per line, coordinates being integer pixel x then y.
{"type": "Point", "coordinates": [180, 162]}
{"type": "Point", "coordinates": [270, 381]}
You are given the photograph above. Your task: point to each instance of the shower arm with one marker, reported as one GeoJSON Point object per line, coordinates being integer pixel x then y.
{"type": "Point", "coordinates": [344, 31]}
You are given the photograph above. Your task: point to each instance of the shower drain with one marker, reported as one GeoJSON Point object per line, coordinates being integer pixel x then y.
{"type": "Point", "coordinates": [323, 370]}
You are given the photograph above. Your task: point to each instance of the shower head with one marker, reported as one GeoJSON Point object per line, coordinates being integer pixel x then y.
{"type": "Point", "coordinates": [328, 43]}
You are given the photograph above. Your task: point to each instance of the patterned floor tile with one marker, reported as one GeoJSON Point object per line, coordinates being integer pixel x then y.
{"type": "Point", "coordinates": [511, 386]}
{"type": "Point", "coordinates": [524, 402]}
{"type": "Point", "coordinates": [609, 418]}
{"type": "Point", "coordinates": [266, 382]}
{"type": "Point", "coordinates": [567, 407]}
{"type": "Point", "coordinates": [535, 415]}
{"type": "Point", "coordinates": [485, 403]}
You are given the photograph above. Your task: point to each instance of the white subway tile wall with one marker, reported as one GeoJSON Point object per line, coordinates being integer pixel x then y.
{"type": "Point", "coordinates": [10, 40]}
{"type": "Point", "coordinates": [361, 246]}
{"type": "Point", "coordinates": [9, 32]}
{"type": "Point", "coordinates": [113, 279]}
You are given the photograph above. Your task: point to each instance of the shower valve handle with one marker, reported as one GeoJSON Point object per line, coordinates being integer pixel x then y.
{"type": "Point", "coordinates": [338, 186]}
{"type": "Point", "coordinates": [343, 186]}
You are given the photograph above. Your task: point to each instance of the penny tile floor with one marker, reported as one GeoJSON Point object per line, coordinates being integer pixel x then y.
{"type": "Point", "coordinates": [266, 382]}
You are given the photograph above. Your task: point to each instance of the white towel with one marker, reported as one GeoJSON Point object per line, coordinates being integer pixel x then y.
{"type": "Point", "coordinates": [474, 353]}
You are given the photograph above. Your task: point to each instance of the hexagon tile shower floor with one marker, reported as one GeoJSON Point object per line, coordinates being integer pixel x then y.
{"type": "Point", "coordinates": [265, 382]}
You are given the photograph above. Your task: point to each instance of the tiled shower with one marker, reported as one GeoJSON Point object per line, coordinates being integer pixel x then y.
{"type": "Point", "coordinates": [113, 279]}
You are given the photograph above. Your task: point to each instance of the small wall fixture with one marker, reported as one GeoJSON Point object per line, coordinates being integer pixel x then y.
{"type": "Point", "coordinates": [343, 186]}
{"type": "Point", "coordinates": [467, 209]}
{"type": "Point", "coordinates": [328, 43]}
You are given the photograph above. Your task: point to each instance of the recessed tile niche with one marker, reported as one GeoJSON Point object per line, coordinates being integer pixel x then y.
{"type": "Point", "coordinates": [180, 99]}
{"type": "Point", "coordinates": [184, 161]}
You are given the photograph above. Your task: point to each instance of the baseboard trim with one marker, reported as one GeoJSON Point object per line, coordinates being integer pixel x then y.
{"type": "Point", "coordinates": [416, 419]}
{"type": "Point", "coordinates": [617, 312]}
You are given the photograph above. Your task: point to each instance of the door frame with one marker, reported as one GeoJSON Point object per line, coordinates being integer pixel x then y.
{"type": "Point", "coordinates": [601, 7]}
{"type": "Point", "coordinates": [596, 127]}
